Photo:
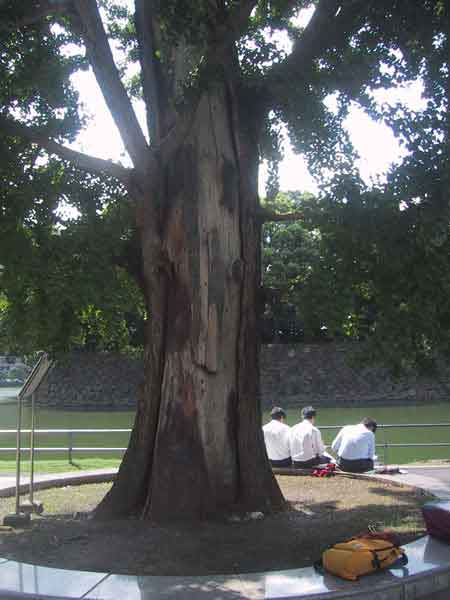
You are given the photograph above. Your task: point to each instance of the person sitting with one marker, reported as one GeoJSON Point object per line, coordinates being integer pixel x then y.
{"type": "Point", "coordinates": [306, 443]}
{"type": "Point", "coordinates": [276, 438]}
{"type": "Point", "coordinates": [355, 446]}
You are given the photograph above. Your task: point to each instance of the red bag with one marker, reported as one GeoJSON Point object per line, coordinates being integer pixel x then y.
{"type": "Point", "coordinates": [327, 471]}
{"type": "Point", "coordinates": [437, 519]}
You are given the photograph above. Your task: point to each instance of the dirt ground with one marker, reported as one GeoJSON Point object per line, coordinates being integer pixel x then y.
{"type": "Point", "coordinates": [321, 512]}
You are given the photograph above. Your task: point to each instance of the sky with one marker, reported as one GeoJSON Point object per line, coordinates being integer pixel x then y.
{"type": "Point", "coordinates": [375, 143]}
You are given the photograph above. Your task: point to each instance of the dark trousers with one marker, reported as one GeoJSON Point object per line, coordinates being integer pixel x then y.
{"type": "Point", "coordinates": [307, 464]}
{"type": "Point", "coordinates": [285, 462]}
{"type": "Point", "coordinates": [359, 465]}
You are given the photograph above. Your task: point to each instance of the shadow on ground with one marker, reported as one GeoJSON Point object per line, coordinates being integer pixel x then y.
{"type": "Point", "coordinates": [322, 512]}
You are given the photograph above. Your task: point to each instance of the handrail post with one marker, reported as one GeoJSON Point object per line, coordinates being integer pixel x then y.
{"type": "Point", "coordinates": [70, 448]}
{"type": "Point", "coordinates": [31, 495]}
{"type": "Point", "coordinates": [18, 451]}
{"type": "Point", "coordinates": [18, 519]}
{"type": "Point", "coordinates": [385, 448]}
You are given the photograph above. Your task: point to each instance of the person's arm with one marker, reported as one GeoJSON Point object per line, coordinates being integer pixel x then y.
{"type": "Point", "coordinates": [336, 444]}
{"type": "Point", "coordinates": [372, 446]}
{"type": "Point", "coordinates": [292, 444]}
{"type": "Point", "coordinates": [287, 441]}
{"type": "Point", "coordinates": [318, 445]}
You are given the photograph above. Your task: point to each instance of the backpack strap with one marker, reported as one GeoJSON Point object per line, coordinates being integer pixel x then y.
{"type": "Point", "coordinates": [318, 567]}
{"type": "Point", "coordinates": [401, 561]}
{"type": "Point", "coordinates": [378, 563]}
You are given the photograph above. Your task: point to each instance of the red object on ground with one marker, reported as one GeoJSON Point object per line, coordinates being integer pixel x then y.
{"type": "Point", "coordinates": [327, 471]}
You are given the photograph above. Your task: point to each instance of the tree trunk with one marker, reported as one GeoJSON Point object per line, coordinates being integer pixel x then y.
{"type": "Point", "coordinates": [197, 449]}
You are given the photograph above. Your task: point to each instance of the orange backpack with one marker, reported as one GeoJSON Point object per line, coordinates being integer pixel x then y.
{"type": "Point", "coordinates": [361, 556]}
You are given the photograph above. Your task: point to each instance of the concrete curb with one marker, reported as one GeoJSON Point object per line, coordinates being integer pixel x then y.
{"type": "Point", "coordinates": [45, 484]}
{"type": "Point", "coordinates": [428, 573]}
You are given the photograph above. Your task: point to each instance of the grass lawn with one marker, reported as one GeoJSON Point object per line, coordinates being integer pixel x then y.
{"type": "Point", "coordinates": [320, 512]}
{"type": "Point", "coordinates": [90, 463]}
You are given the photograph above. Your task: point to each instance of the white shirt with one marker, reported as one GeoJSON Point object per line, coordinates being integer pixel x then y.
{"type": "Point", "coordinates": [354, 442]}
{"type": "Point", "coordinates": [276, 437]}
{"type": "Point", "coordinates": [305, 441]}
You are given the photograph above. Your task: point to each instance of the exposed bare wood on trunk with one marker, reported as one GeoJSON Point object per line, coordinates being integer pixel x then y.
{"type": "Point", "coordinates": [202, 240]}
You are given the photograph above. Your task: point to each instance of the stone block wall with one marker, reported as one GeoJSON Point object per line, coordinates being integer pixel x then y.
{"type": "Point", "coordinates": [89, 380]}
{"type": "Point", "coordinates": [322, 374]}
{"type": "Point", "coordinates": [299, 374]}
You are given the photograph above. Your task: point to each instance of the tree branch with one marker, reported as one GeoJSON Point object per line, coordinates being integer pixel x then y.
{"type": "Point", "coordinates": [267, 216]}
{"type": "Point", "coordinates": [44, 9]}
{"type": "Point", "coordinates": [153, 81]}
{"type": "Point", "coordinates": [107, 75]}
{"type": "Point", "coordinates": [225, 32]}
{"type": "Point", "coordinates": [83, 161]}
{"type": "Point", "coordinates": [36, 11]}
{"type": "Point", "coordinates": [317, 33]}
{"type": "Point", "coordinates": [239, 17]}
{"type": "Point", "coordinates": [332, 20]}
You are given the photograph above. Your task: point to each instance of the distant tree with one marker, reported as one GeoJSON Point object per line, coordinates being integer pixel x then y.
{"type": "Point", "coordinates": [365, 267]}
{"type": "Point", "coordinates": [216, 88]}
{"type": "Point", "coordinates": [395, 258]}
{"type": "Point", "coordinates": [306, 294]}
{"type": "Point", "coordinates": [65, 282]}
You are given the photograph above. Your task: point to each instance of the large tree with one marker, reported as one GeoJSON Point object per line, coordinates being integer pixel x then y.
{"type": "Point", "coordinates": [216, 87]}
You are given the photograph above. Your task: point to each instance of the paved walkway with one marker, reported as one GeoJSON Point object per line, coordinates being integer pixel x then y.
{"type": "Point", "coordinates": [435, 479]}
{"type": "Point", "coordinates": [42, 481]}
{"type": "Point", "coordinates": [426, 577]}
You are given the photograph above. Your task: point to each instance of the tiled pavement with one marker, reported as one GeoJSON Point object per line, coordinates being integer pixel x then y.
{"type": "Point", "coordinates": [55, 479]}
{"type": "Point", "coordinates": [427, 575]}
{"type": "Point", "coordinates": [435, 479]}
{"type": "Point", "coordinates": [428, 571]}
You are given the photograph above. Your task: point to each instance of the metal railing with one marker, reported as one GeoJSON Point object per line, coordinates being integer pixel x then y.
{"type": "Point", "coordinates": [71, 433]}
{"type": "Point", "coordinates": [70, 448]}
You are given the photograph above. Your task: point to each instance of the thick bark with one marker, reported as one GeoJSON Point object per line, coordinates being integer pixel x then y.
{"type": "Point", "coordinates": [197, 448]}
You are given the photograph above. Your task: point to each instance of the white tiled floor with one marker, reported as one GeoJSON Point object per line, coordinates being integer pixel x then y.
{"type": "Point", "coordinates": [32, 579]}
{"type": "Point", "coordinates": [174, 588]}
{"type": "Point", "coordinates": [424, 555]}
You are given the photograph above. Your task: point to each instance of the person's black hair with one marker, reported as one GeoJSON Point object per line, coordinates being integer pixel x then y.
{"type": "Point", "coordinates": [277, 413]}
{"type": "Point", "coordinates": [370, 423]}
{"type": "Point", "coordinates": [308, 412]}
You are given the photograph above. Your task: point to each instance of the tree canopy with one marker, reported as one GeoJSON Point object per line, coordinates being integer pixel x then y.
{"type": "Point", "coordinates": [386, 247]}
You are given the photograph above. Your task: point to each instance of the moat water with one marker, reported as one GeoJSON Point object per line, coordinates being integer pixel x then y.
{"type": "Point", "coordinates": [339, 416]}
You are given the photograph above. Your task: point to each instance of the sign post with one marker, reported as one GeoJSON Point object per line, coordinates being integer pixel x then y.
{"type": "Point", "coordinates": [21, 517]}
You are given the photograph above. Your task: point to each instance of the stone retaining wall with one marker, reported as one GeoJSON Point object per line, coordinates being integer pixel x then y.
{"type": "Point", "coordinates": [89, 380]}
{"type": "Point", "coordinates": [323, 374]}
{"type": "Point", "coordinates": [290, 374]}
